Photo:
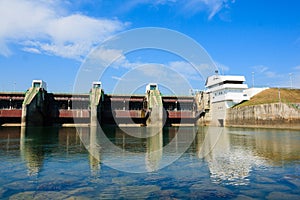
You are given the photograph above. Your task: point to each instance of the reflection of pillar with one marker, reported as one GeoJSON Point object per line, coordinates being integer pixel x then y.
{"type": "Point", "coordinates": [199, 140]}
{"type": "Point", "coordinates": [215, 142]}
{"type": "Point", "coordinates": [67, 144]}
{"type": "Point", "coordinates": [94, 150]}
{"type": "Point", "coordinates": [154, 149]}
{"type": "Point", "coordinates": [31, 152]}
{"type": "Point", "coordinates": [22, 140]}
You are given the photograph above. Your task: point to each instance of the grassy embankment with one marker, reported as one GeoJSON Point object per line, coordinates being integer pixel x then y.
{"type": "Point", "coordinates": [275, 95]}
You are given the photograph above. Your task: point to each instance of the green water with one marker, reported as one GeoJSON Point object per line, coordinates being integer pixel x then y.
{"type": "Point", "coordinates": [143, 163]}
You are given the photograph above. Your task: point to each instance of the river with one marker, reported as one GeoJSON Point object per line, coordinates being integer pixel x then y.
{"type": "Point", "coordinates": [149, 163]}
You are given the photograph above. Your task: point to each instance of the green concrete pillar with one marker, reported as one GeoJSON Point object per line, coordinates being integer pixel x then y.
{"type": "Point", "coordinates": [96, 98]}
{"type": "Point", "coordinates": [155, 106]}
{"type": "Point", "coordinates": [33, 107]}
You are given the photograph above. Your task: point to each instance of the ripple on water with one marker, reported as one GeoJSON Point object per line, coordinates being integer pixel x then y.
{"type": "Point", "coordinates": [39, 195]}
{"type": "Point", "coordinates": [271, 187]}
{"type": "Point", "coordinates": [164, 194]}
{"type": "Point", "coordinates": [111, 192]}
{"type": "Point", "coordinates": [20, 185]}
{"type": "Point", "coordinates": [282, 195]}
{"type": "Point", "coordinates": [243, 197]}
{"type": "Point", "coordinates": [137, 192]}
{"type": "Point", "coordinates": [209, 191]}
{"type": "Point", "coordinates": [294, 180]}
{"type": "Point", "coordinates": [2, 191]}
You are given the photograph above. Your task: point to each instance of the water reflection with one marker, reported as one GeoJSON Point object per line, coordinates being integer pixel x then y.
{"type": "Point", "coordinates": [38, 143]}
{"type": "Point", "coordinates": [32, 146]}
{"type": "Point", "coordinates": [230, 154]}
{"type": "Point", "coordinates": [139, 153]}
{"type": "Point", "coordinates": [277, 147]}
{"type": "Point", "coordinates": [94, 150]}
{"type": "Point", "coordinates": [226, 164]}
{"type": "Point", "coordinates": [154, 150]}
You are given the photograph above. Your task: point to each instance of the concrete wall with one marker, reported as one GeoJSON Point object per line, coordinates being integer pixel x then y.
{"type": "Point", "coordinates": [218, 113]}
{"type": "Point", "coordinates": [215, 116]}
{"type": "Point", "coordinates": [203, 102]}
{"type": "Point", "coordinates": [275, 115]}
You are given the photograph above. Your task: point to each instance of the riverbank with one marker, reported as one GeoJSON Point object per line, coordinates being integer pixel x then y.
{"type": "Point", "coordinates": [272, 108]}
{"type": "Point", "coordinates": [274, 95]}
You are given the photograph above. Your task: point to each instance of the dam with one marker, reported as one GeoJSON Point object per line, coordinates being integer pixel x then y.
{"type": "Point", "coordinates": [37, 107]}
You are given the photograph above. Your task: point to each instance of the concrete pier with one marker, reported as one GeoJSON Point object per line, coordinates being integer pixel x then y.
{"type": "Point", "coordinates": [155, 106]}
{"type": "Point", "coordinates": [35, 107]}
{"type": "Point", "coordinates": [96, 99]}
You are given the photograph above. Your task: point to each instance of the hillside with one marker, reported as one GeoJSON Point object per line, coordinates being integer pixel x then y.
{"type": "Point", "coordinates": [272, 96]}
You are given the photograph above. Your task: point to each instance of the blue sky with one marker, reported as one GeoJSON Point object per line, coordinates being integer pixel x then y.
{"type": "Point", "coordinates": [49, 39]}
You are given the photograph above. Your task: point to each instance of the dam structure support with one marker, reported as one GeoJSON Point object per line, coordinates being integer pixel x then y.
{"type": "Point", "coordinates": [96, 103]}
{"type": "Point", "coordinates": [154, 106]}
{"type": "Point", "coordinates": [36, 104]}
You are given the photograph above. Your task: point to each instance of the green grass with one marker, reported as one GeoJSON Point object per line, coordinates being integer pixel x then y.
{"type": "Point", "coordinates": [271, 95]}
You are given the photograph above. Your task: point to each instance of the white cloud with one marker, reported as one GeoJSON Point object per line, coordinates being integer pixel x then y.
{"type": "Point", "coordinates": [266, 72]}
{"type": "Point", "coordinates": [182, 67]}
{"type": "Point", "coordinates": [221, 67]}
{"type": "Point", "coordinates": [271, 74]}
{"type": "Point", "coordinates": [153, 72]}
{"type": "Point", "coordinates": [32, 50]}
{"type": "Point", "coordinates": [264, 76]}
{"type": "Point", "coordinates": [260, 68]}
{"type": "Point", "coordinates": [187, 70]}
{"type": "Point", "coordinates": [188, 7]}
{"type": "Point", "coordinates": [295, 82]}
{"type": "Point", "coordinates": [76, 28]}
{"type": "Point", "coordinates": [4, 50]}
{"type": "Point", "coordinates": [109, 56]}
{"type": "Point", "coordinates": [297, 68]}
{"type": "Point", "coordinates": [44, 26]}
{"type": "Point", "coordinates": [133, 74]}
{"type": "Point", "coordinates": [211, 6]}
{"type": "Point", "coordinates": [116, 78]}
